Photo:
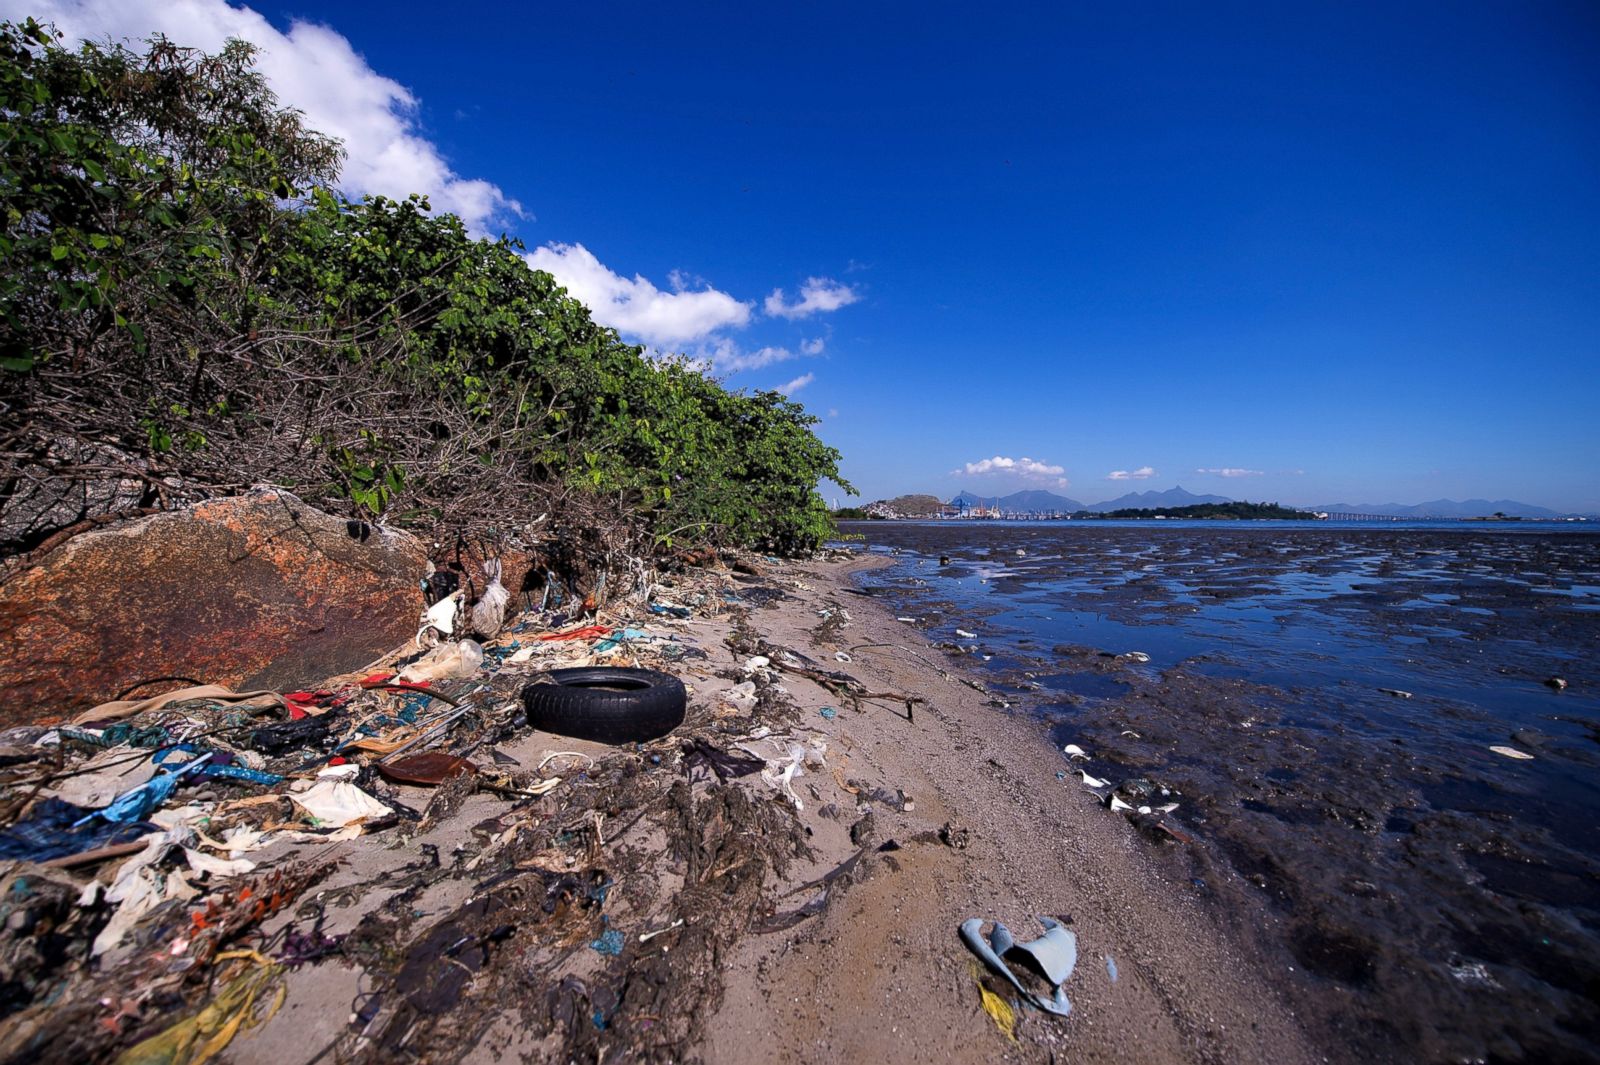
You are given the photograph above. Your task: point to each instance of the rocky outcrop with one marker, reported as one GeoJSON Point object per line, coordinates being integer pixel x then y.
{"type": "Point", "coordinates": [254, 591]}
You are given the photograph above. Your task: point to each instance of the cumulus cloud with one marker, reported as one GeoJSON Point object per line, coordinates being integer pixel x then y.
{"type": "Point", "coordinates": [812, 347]}
{"type": "Point", "coordinates": [1230, 471]}
{"type": "Point", "coordinates": [1143, 473]}
{"type": "Point", "coordinates": [1024, 468]}
{"type": "Point", "coordinates": [635, 306]}
{"type": "Point", "coordinates": [797, 384]}
{"type": "Point", "coordinates": [817, 296]}
{"type": "Point", "coordinates": [313, 69]}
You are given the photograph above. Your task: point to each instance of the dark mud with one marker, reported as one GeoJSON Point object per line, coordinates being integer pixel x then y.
{"type": "Point", "coordinates": [1321, 703]}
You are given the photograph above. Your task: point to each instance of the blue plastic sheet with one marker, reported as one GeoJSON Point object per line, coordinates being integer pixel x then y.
{"type": "Point", "coordinates": [55, 828]}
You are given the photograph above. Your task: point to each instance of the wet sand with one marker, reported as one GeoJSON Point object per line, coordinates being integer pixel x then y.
{"type": "Point", "coordinates": [881, 975]}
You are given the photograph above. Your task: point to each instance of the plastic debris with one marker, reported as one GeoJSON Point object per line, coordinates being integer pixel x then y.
{"type": "Point", "coordinates": [337, 803]}
{"type": "Point", "coordinates": [1072, 750]}
{"type": "Point", "coordinates": [489, 612]}
{"type": "Point", "coordinates": [207, 1033]}
{"type": "Point", "coordinates": [1396, 692]}
{"type": "Point", "coordinates": [1054, 954]}
{"type": "Point", "coordinates": [55, 829]}
{"type": "Point", "coordinates": [1111, 968]}
{"type": "Point", "coordinates": [439, 620]}
{"type": "Point", "coordinates": [1512, 752]}
{"type": "Point", "coordinates": [136, 804]}
{"type": "Point", "coordinates": [965, 635]}
{"type": "Point", "coordinates": [610, 943]}
{"type": "Point", "coordinates": [741, 697]}
{"type": "Point", "coordinates": [999, 1011]}
{"type": "Point", "coordinates": [444, 662]}
{"type": "Point", "coordinates": [828, 713]}
{"type": "Point", "coordinates": [430, 767]}
{"type": "Point", "coordinates": [1093, 782]}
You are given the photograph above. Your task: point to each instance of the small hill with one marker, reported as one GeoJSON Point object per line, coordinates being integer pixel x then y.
{"type": "Point", "coordinates": [908, 506]}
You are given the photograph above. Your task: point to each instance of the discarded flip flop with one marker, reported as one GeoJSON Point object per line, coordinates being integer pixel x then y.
{"type": "Point", "coordinates": [1054, 955]}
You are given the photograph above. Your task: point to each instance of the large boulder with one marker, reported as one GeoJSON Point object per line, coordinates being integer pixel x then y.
{"type": "Point", "coordinates": [254, 591]}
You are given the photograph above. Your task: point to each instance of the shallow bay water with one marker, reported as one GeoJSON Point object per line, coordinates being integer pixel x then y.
{"type": "Point", "coordinates": [1322, 700]}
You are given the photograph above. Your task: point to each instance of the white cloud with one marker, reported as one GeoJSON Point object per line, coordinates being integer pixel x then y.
{"type": "Point", "coordinates": [636, 307]}
{"type": "Point", "coordinates": [1143, 473]}
{"type": "Point", "coordinates": [1230, 471]}
{"type": "Point", "coordinates": [729, 358]}
{"type": "Point", "coordinates": [311, 68]}
{"type": "Point", "coordinates": [817, 295]}
{"type": "Point", "coordinates": [1024, 468]}
{"type": "Point", "coordinates": [812, 347]}
{"type": "Point", "coordinates": [797, 384]}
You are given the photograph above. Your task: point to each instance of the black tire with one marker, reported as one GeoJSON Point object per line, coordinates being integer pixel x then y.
{"type": "Point", "coordinates": [607, 704]}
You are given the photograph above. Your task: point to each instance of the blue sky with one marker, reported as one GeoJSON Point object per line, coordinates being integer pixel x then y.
{"type": "Point", "coordinates": [1325, 253]}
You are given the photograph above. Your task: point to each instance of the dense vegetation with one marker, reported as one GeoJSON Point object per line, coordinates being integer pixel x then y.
{"type": "Point", "coordinates": [1211, 510]}
{"type": "Point", "coordinates": [189, 308]}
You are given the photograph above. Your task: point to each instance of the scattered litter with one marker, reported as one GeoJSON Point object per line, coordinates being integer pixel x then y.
{"type": "Point", "coordinates": [1558, 683]}
{"type": "Point", "coordinates": [700, 755]}
{"type": "Point", "coordinates": [742, 697]}
{"type": "Point", "coordinates": [999, 1011]}
{"type": "Point", "coordinates": [645, 937]}
{"type": "Point", "coordinates": [489, 612]}
{"type": "Point", "coordinates": [439, 620]}
{"type": "Point", "coordinates": [828, 712]}
{"type": "Point", "coordinates": [1053, 954]}
{"type": "Point", "coordinates": [1512, 752]}
{"type": "Point", "coordinates": [337, 803]}
{"type": "Point", "coordinates": [1093, 782]}
{"type": "Point", "coordinates": [1134, 656]}
{"type": "Point", "coordinates": [1072, 750]}
{"type": "Point", "coordinates": [445, 662]}
{"type": "Point", "coordinates": [1116, 804]}
{"type": "Point", "coordinates": [842, 656]}
{"type": "Point", "coordinates": [1396, 692]}
{"type": "Point", "coordinates": [1111, 968]}
{"type": "Point", "coordinates": [431, 767]}
{"type": "Point", "coordinates": [610, 943]}
{"type": "Point", "coordinates": [965, 635]}
{"type": "Point", "coordinates": [909, 621]}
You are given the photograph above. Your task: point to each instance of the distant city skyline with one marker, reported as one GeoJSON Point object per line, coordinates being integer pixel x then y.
{"type": "Point", "coordinates": [1325, 252]}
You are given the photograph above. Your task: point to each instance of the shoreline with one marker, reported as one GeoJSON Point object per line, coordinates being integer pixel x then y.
{"type": "Point", "coordinates": [881, 974]}
{"type": "Point", "coordinates": [641, 908]}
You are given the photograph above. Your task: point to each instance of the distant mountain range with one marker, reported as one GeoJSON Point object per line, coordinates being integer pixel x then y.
{"type": "Point", "coordinates": [1030, 500]}
{"type": "Point", "coordinates": [1445, 508]}
{"type": "Point", "coordinates": [1041, 500]}
{"type": "Point", "coordinates": [1038, 500]}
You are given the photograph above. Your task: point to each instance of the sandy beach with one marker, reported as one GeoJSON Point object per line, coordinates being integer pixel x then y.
{"type": "Point", "coordinates": [957, 813]}
{"type": "Point", "coordinates": [881, 974]}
